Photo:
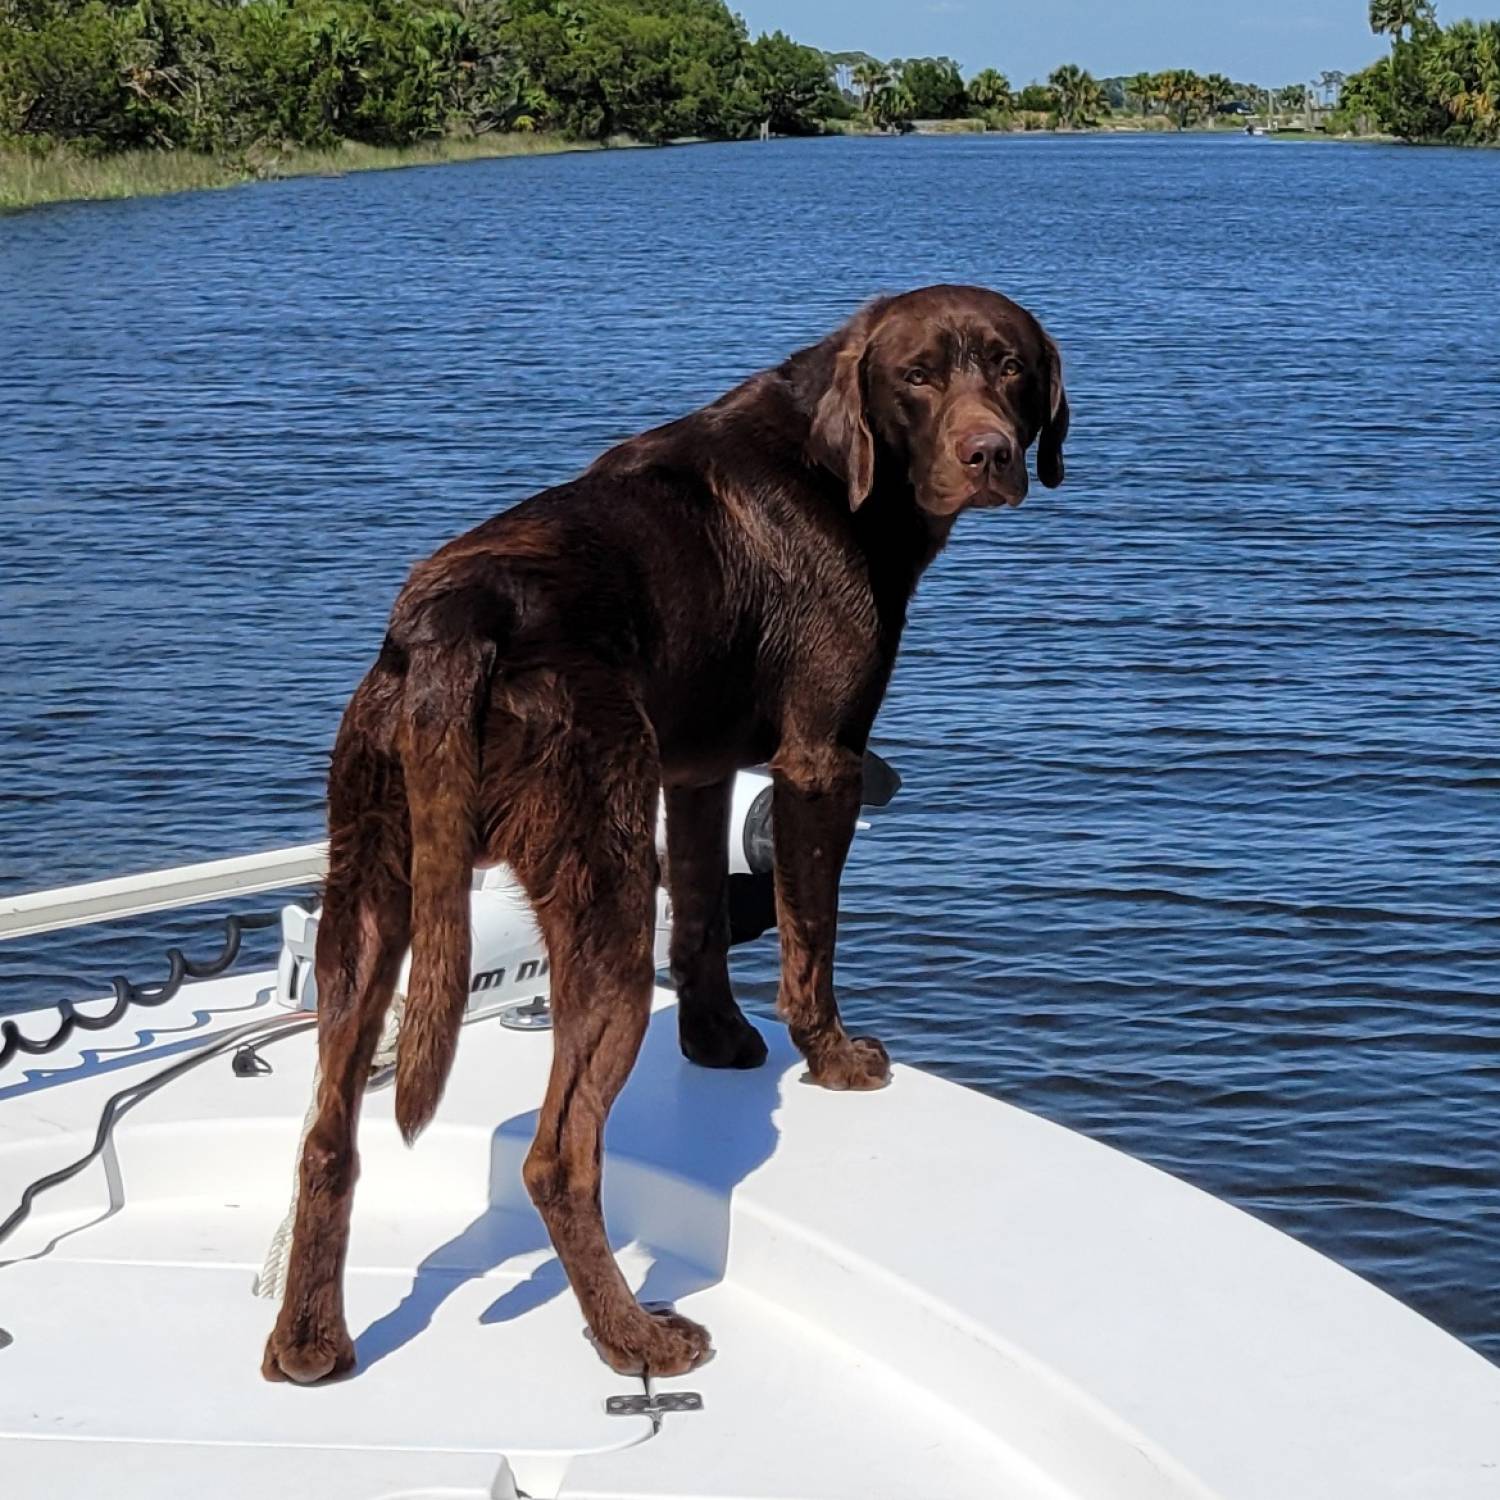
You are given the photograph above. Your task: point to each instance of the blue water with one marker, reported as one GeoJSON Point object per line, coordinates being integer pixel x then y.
{"type": "Point", "coordinates": [1199, 844]}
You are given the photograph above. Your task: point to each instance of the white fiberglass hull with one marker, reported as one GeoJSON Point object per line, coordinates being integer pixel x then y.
{"type": "Point", "coordinates": [915, 1293]}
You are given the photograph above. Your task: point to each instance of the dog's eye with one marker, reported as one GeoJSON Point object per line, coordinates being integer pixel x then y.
{"type": "Point", "coordinates": [917, 376]}
{"type": "Point", "coordinates": [1010, 365]}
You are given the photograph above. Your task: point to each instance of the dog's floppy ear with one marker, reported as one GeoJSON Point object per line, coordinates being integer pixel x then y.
{"type": "Point", "coordinates": [1049, 449]}
{"type": "Point", "coordinates": [841, 439]}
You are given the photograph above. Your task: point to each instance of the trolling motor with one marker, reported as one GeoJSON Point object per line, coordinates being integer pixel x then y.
{"type": "Point", "coordinates": [752, 889]}
{"type": "Point", "coordinates": [508, 957]}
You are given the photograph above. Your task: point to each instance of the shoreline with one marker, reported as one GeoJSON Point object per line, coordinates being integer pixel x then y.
{"type": "Point", "coordinates": [30, 181]}
{"type": "Point", "coordinates": [1137, 125]}
{"type": "Point", "coordinates": [34, 181]}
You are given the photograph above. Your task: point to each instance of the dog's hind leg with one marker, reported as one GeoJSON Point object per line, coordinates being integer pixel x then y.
{"type": "Point", "coordinates": [711, 1028]}
{"type": "Point", "coordinates": [580, 837]}
{"type": "Point", "coordinates": [363, 932]}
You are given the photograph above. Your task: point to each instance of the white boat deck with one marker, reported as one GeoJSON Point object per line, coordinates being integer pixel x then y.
{"type": "Point", "coordinates": [917, 1294]}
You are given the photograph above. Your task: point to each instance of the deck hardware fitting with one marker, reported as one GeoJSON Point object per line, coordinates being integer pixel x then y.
{"type": "Point", "coordinates": [653, 1406]}
{"type": "Point", "coordinates": [527, 1015]}
{"type": "Point", "coordinates": [248, 1063]}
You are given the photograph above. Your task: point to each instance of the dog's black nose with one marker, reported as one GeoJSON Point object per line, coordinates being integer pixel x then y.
{"type": "Point", "coordinates": [985, 449]}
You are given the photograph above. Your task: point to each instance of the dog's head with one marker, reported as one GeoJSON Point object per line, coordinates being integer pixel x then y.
{"type": "Point", "coordinates": [952, 384]}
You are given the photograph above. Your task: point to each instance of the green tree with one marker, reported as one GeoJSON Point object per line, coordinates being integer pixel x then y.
{"type": "Point", "coordinates": [1461, 70]}
{"type": "Point", "coordinates": [1396, 17]}
{"type": "Point", "coordinates": [1142, 88]}
{"type": "Point", "coordinates": [1397, 96]}
{"type": "Point", "coordinates": [653, 69]}
{"type": "Point", "coordinates": [936, 87]}
{"type": "Point", "coordinates": [1078, 99]}
{"type": "Point", "coordinates": [61, 79]}
{"type": "Point", "coordinates": [989, 89]}
{"type": "Point", "coordinates": [869, 78]}
{"type": "Point", "coordinates": [893, 108]}
{"type": "Point", "coordinates": [792, 81]}
{"type": "Point", "coordinates": [1181, 93]}
{"type": "Point", "coordinates": [1217, 91]}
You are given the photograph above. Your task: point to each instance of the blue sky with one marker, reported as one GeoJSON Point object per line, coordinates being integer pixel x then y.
{"type": "Point", "coordinates": [1259, 41]}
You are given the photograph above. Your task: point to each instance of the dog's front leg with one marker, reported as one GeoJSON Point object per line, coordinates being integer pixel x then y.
{"type": "Point", "coordinates": [813, 815]}
{"type": "Point", "coordinates": [712, 1029]}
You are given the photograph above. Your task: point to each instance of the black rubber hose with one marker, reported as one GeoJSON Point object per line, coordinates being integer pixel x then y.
{"type": "Point", "coordinates": [271, 1028]}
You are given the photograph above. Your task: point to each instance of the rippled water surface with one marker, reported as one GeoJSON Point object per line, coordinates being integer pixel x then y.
{"type": "Point", "coordinates": [1199, 843]}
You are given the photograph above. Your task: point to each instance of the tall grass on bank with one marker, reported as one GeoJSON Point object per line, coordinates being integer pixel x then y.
{"type": "Point", "coordinates": [29, 178]}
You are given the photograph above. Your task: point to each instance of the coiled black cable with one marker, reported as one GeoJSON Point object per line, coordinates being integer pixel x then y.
{"type": "Point", "coordinates": [179, 967]}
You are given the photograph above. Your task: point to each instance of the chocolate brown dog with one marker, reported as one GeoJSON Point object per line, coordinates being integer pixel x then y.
{"type": "Point", "coordinates": [727, 590]}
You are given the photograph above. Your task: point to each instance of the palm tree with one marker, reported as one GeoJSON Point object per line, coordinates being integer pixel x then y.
{"type": "Point", "coordinates": [893, 107]}
{"type": "Point", "coordinates": [1180, 89]}
{"type": "Point", "coordinates": [1066, 84]}
{"type": "Point", "coordinates": [1095, 100]}
{"type": "Point", "coordinates": [1217, 91]}
{"type": "Point", "coordinates": [1487, 94]}
{"type": "Point", "coordinates": [1142, 88]}
{"type": "Point", "coordinates": [869, 78]}
{"type": "Point", "coordinates": [1080, 100]}
{"type": "Point", "coordinates": [1463, 72]}
{"type": "Point", "coordinates": [1396, 17]}
{"type": "Point", "coordinates": [990, 89]}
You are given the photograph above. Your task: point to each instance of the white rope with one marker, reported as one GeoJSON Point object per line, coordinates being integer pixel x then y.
{"type": "Point", "coordinates": [271, 1281]}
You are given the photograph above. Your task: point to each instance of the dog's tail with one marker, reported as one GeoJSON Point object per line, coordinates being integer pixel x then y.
{"type": "Point", "coordinates": [446, 693]}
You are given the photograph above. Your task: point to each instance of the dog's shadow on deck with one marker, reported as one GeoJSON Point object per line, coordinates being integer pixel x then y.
{"type": "Point", "coordinates": [699, 1131]}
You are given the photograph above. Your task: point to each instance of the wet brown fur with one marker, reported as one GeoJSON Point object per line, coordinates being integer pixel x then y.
{"type": "Point", "coordinates": [725, 591]}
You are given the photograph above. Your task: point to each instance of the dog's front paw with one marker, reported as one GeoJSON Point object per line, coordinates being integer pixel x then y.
{"type": "Point", "coordinates": [307, 1360]}
{"type": "Point", "coordinates": [720, 1039]}
{"type": "Point", "coordinates": [853, 1062]}
{"type": "Point", "coordinates": [654, 1342]}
